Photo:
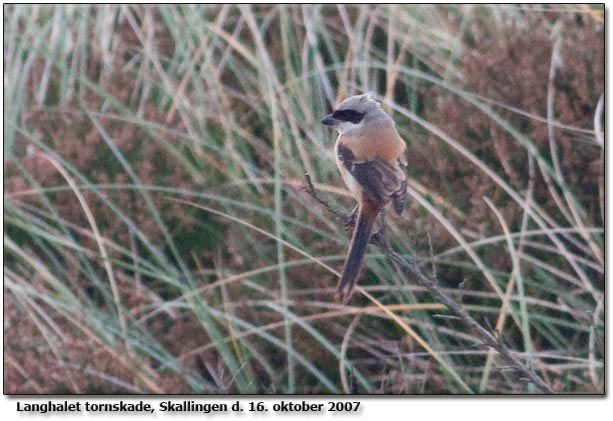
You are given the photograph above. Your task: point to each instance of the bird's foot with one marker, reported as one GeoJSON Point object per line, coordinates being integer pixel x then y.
{"type": "Point", "coordinates": [350, 221]}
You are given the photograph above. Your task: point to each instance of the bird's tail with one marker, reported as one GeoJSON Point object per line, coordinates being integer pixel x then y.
{"type": "Point", "coordinates": [361, 235]}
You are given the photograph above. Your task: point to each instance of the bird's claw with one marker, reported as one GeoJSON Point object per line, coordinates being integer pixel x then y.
{"type": "Point", "coordinates": [350, 221]}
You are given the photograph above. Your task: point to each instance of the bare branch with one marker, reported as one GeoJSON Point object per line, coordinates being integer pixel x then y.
{"type": "Point", "coordinates": [488, 338]}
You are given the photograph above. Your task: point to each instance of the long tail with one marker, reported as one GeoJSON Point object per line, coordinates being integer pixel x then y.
{"type": "Point", "coordinates": [361, 235]}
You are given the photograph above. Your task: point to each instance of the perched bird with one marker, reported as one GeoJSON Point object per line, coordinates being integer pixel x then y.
{"type": "Point", "coordinates": [371, 157]}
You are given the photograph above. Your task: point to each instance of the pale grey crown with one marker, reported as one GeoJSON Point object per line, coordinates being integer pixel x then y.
{"type": "Point", "coordinates": [360, 103]}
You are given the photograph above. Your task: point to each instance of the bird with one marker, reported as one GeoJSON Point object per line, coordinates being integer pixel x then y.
{"type": "Point", "coordinates": [371, 157]}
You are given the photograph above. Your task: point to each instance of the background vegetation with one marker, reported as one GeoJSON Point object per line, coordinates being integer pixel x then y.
{"type": "Point", "coordinates": [112, 114]}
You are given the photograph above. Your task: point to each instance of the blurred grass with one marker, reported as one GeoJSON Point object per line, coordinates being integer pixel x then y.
{"type": "Point", "coordinates": [112, 111]}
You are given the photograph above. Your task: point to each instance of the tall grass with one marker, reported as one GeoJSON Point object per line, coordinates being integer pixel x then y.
{"type": "Point", "coordinates": [157, 237]}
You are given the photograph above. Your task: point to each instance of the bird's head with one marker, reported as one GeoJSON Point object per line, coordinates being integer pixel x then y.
{"type": "Point", "coordinates": [354, 113]}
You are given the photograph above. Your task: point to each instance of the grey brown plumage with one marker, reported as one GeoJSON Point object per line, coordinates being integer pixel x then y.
{"type": "Point", "coordinates": [371, 158]}
{"type": "Point", "coordinates": [367, 215]}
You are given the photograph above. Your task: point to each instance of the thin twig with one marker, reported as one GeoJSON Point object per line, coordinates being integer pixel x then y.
{"type": "Point", "coordinates": [310, 188]}
{"type": "Point", "coordinates": [487, 337]}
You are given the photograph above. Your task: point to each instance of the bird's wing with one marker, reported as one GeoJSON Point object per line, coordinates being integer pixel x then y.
{"type": "Point", "coordinates": [379, 180]}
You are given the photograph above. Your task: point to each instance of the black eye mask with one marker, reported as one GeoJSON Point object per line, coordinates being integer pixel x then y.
{"type": "Point", "coordinates": [351, 116]}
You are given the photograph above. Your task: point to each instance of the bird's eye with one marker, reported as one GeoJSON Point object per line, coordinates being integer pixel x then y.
{"type": "Point", "coordinates": [351, 116]}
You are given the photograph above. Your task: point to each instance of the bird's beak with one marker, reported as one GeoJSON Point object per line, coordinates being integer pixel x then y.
{"type": "Point", "coordinates": [328, 120]}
